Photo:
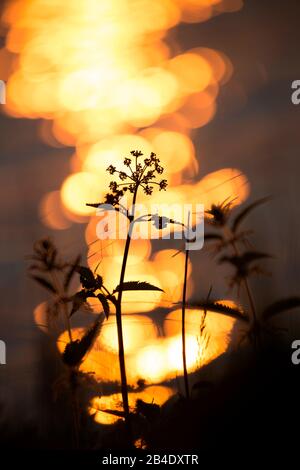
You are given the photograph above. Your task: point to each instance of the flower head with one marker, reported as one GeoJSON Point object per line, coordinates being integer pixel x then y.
{"type": "Point", "coordinates": [138, 174]}
{"type": "Point", "coordinates": [127, 161]}
{"type": "Point", "coordinates": [111, 169]}
{"type": "Point", "coordinates": [122, 175]}
{"type": "Point", "coordinates": [163, 185]}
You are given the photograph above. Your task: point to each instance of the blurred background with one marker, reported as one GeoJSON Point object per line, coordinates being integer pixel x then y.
{"type": "Point", "coordinates": [239, 119]}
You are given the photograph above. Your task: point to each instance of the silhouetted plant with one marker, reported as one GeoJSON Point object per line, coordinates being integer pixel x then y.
{"type": "Point", "coordinates": [139, 175]}
{"type": "Point", "coordinates": [230, 237]}
{"type": "Point", "coordinates": [56, 275]}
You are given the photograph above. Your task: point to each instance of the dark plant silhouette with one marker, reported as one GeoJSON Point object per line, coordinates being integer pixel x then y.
{"type": "Point", "coordinates": [229, 242]}
{"type": "Point", "coordinates": [233, 244]}
{"type": "Point", "coordinates": [140, 174]}
{"type": "Point", "coordinates": [55, 275]}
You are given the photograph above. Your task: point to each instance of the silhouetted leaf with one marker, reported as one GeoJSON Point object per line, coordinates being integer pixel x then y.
{"type": "Point", "coordinates": [150, 411]}
{"type": "Point", "coordinates": [241, 216]}
{"type": "Point", "coordinates": [281, 306]}
{"type": "Point", "coordinates": [108, 207]}
{"type": "Point", "coordinates": [70, 273]}
{"type": "Point", "coordinates": [79, 299]}
{"type": "Point", "coordinates": [104, 303]}
{"type": "Point", "coordinates": [118, 413]}
{"type": "Point", "coordinates": [43, 282]}
{"type": "Point", "coordinates": [218, 307]}
{"type": "Point", "coordinates": [137, 285]}
{"type": "Point", "coordinates": [212, 236]}
{"type": "Point", "coordinates": [87, 278]}
{"type": "Point", "coordinates": [45, 253]}
{"type": "Point", "coordinates": [95, 204]}
{"type": "Point", "coordinates": [219, 213]}
{"type": "Point", "coordinates": [161, 222]}
{"type": "Point", "coordinates": [244, 259]}
{"type": "Point", "coordinates": [75, 351]}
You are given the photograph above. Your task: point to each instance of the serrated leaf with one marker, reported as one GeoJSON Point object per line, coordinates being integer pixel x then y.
{"type": "Point", "coordinates": [218, 307]}
{"type": "Point", "coordinates": [87, 278]}
{"type": "Point", "coordinates": [244, 259]}
{"type": "Point", "coordinates": [105, 304]}
{"type": "Point", "coordinates": [280, 306]}
{"type": "Point", "coordinates": [75, 351]}
{"type": "Point", "coordinates": [212, 236]}
{"type": "Point", "coordinates": [79, 299]}
{"type": "Point", "coordinates": [241, 216]}
{"type": "Point", "coordinates": [43, 282]}
{"type": "Point", "coordinates": [85, 272]}
{"type": "Point", "coordinates": [137, 285]}
{"type": "Point", "coordinates": [70, 273]}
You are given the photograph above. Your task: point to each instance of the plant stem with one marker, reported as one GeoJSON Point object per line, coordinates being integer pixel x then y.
{"type": "Point", "coordinates": [230, 235]}
{"type": "Point", "coordinates": [124, 388]}
{"type": "Point", "coordinates": [185, 373]}
{"type": "Point", "coordinates": [65, 308]}
{"type": "Point", "coordinates": [72, 377]}
{"type": "Point", "coordinates": [254, 320]}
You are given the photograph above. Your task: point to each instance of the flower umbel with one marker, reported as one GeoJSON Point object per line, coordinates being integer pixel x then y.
{"type": "Point", "coordinates": [139, 173]}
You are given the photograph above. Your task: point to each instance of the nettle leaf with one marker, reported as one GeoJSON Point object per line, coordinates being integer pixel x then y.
{"type": "Point", "coordinates": [105, 304]}
{"type": "Point", "coordinates": [281, 306]}
{"type": "Point", "coordinates": [75, 351]}
{"type": "Point", "coordinates": [108, 207]}
{"type": "Point", "coordinates": [43, 282]}
{"type": "Point", "coordinates": [243, 214]}
{"type": "Point", "coordinates": [70, 273]}
{"type": "Point", "coordinates": [87, 278]}
{"type": "Point", "coordinates": [218, 307]}
{"type": "Point", "coordinates": [94, 204]}
{"type": "Point", "coordinates": [244, 259]}
{"type": "Point", "coordinates": [79, 299]}
{"type": "Point", "coordinates": [212, 236]}
{"type": "Point", "coordinates": [119, 414]}
{"type": "Point", "coordinates": [137, 285]}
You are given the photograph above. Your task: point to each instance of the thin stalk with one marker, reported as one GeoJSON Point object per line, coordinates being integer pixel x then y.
{"type": "Point", "coordinates": [72, 378]}
{"type": "Point", "coordinates": [230, 235]}
{"type": "Point", "coordinates": [64, 305]}
{"type": "Point", "coordinates": [254, 319]}
{"type": "Point", "coordinates": [124, 388]}
{"type": "Point", "coordinates": [185, 373]}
